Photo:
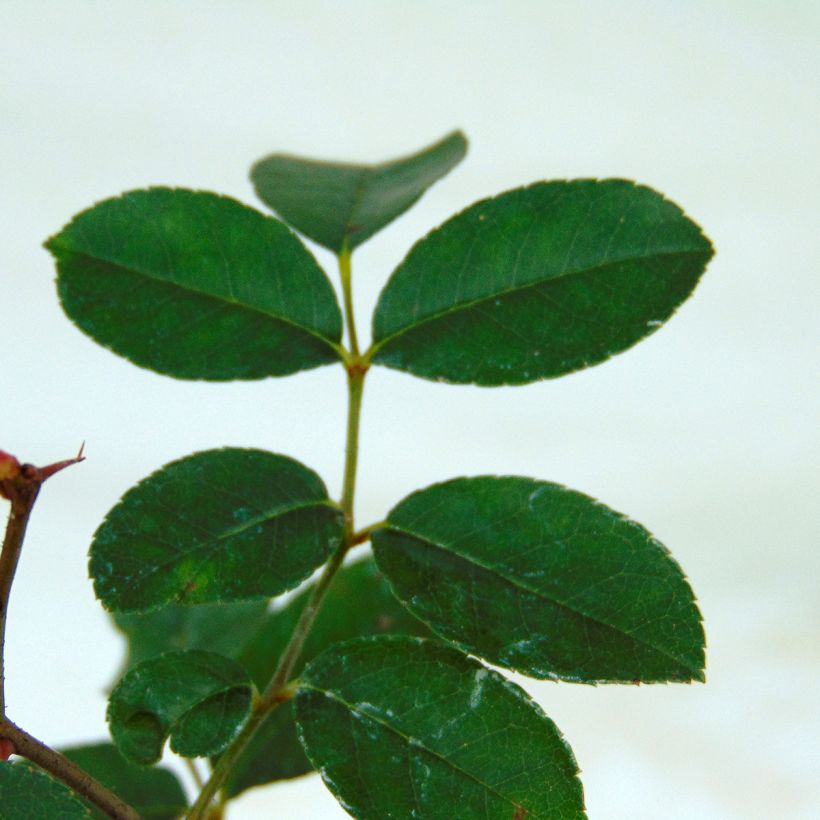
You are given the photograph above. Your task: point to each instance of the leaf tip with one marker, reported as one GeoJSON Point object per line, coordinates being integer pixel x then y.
{"type": "Point", "coordinates": [699, 674]}
{"type": "Point", "coordinates": [458, 137]}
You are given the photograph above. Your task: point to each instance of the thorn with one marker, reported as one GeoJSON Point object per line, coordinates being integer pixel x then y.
{"type": "Point", "coordinates": [50, 469]}
{"type": "Point", "coordinates": [17, 480]}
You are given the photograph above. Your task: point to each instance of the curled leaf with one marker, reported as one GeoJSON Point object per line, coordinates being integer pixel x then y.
{"type": "Point", "coordinates": [199, 699]}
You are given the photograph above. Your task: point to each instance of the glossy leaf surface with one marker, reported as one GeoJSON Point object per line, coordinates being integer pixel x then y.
{"type": "Point", "coordinates": [358, 603]}
{"type": "Point", "coordinates": [155, 793]}
{"type": "Point", "coordinates": [403, 727]}
{"type": "Point", "coordinates": [336, 202]}
{"type": "Point", "coordinates": [27, 793]}
{"type": "Point", "coordinates": [220, 525]}
{"type": "Point", "coordinates": [544, 580]}
{"type": "Point", "coordinates": [199, 699]}
{"type": "Point", "coordinates": [538, 282]}
{"type": "Point", "coordinates": [196, 286]}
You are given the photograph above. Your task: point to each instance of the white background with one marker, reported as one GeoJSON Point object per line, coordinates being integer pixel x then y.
{"type": "Point", "coordinates": [706, 432]}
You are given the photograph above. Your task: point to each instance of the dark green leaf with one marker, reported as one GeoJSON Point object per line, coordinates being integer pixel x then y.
{"type": "Point", "coordinates": [29, 794]}
{"type": "Point", "coordinates": [336, 202]}
{"type": "Point", "coordinates": [403, 727]}
{"type": "Point", "coordinates": [274, 753]}
{"type": "Point", "coordinates": [222, 628]}
{"type": "Point", "coordinates": [154, 793]}
{"type": "Point", "coordinates": [359, 603]}
{"type": "Point", "coordinates": [199, 699]}
{"type": "Point", "coordinates": [197, 286]}
{"type": "Point", "coordinates": [538, 282]}
{"type": "Point", "coordinates": [540, 579]}
{"type": "Point", "coordinates": [219, 525]}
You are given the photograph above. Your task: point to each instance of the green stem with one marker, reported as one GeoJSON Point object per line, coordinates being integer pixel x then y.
{"type": "Point", "coordinates": [355, 388]}
{"type": "Point", "coordinates": [277, 690]}
{"type": "Point", "coordinates": [191, 765]}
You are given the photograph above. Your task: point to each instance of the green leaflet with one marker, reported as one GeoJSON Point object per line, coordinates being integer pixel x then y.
{"type": "Point", "coordinates": [155, 793]}
{"type": "Point", "coordinates": [359, 603]}
{"type": "Point", "coordinates": [221, 525]}
{"type": "Point", "coordinates": [338, 203]}
{"type": "Point", "coordinates": [532, 284]}
{"type": "Point", "coordinates": [544, 580]}
{"type": "Point", "coordinates": [538, 282]}
{"type": "Point", "coordinates": [27, 793]}
{"type": "Point", "coordinates": [405, 727]}
{"type": "Point", "coordinates": [196, 286]}
{"type": "Point", "coordinates": [199, 699]}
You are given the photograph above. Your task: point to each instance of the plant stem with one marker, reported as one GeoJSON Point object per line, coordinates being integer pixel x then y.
{"type": "Point", "coordinates": [21, 506]}
{"type": "Point", "coordinates": [22, 488]}
{"type": "Point", "coordinates": [355, 388]}
{"type": "Point", "coordinates": [20, 484]}
{"type": "Point", "coordinates": [191, 765]}
{"type": "Point", "coordinates": [67, 771]}
{"type": "Point", "coordinates": [277, 690]}
{"type": "Point", "coordinates": [364, 534]}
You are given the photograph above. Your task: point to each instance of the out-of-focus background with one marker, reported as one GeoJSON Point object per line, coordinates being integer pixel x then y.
{"type": "Point", "coordinates": [706, 433]}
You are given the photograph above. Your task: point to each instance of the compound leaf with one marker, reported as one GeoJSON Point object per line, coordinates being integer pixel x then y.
{"type": "Point", "coordinates": [155, 793]}
{"type": "Point", "coordinates": [340, 203]}
{"type": "Point", "coordinates": [199, 699]}
{"type": "Point", "coordinates": [219, 525]}
{"type": "Point", "coordinates": [406, 727]}
{"type": "Point", "coordinates": [538, 282]}
{"type": "Point", "coordinates": [358, 603]}
{"type": "Point", "coordinates": [544, 580]}
{"type": "Point", "coordinates": [27, 793]}
{"type": "Point", "coordinates": [196, 286]}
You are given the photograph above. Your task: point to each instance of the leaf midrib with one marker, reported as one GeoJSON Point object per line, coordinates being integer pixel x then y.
{"type": "Point", "coordinates": [336, 346]}
{"type": "Point", "coordinates": [375, 173]}
{"type": "Point", "coordinates": [365, 176]}
{"type": "Point", "coordinates": [371, 174]}
{"type": "Point", "coordinates": [523, 586]}
{"type": "Point", "coordinates": [467, 305]}
{"type": "Point", "coordinates": [417, 742]}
